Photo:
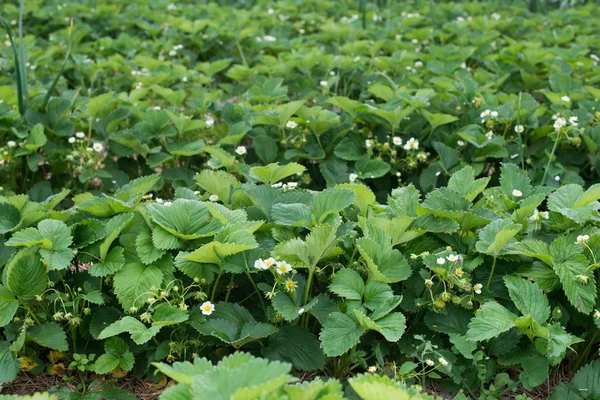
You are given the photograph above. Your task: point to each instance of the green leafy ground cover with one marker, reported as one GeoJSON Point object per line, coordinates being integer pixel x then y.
{"type": "Point", "coordinates": [298, 200]}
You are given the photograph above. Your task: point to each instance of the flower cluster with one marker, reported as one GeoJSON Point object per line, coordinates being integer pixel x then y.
{"type": "Point", "coordinates": [281, 267]}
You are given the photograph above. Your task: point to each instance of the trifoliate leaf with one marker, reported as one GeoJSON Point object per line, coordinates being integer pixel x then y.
{"type": "Point", "coordinates": [391, 326]}
{"type": "Point", "coordinates": [166, 314]}
{"type": "Point", "coordinates": [274, 172]}
{"type": "Point", "coordinates": [331, 201]}
{"type": "Point", "coordinates": [117, 354]}
{"type": "Point", "coordinates": [575, 204]}
{"type": "Point", "coordinates": [349, 284]}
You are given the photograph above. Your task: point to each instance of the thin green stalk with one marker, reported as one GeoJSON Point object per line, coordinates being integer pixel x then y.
{"type": "Point", "coordinates": [262, 303]}
{"type": "Point", "coordinates": [583, 357]}
{"type": "Point", "coordinates": [519, 139]}
{"type": "Point", "coordinates": [62, 67]}
{"type": "Point", "coordinates": [214, 291]}
{"type": "Point", "coordinates": [551, 157]}
{"type": "Point", "coordinates": [237, 43]}
{"type": "Point", "coordinates": [22, 52]}
{"type": "Point", "coordinates": [20, 100]}
{"type": "Point", "coordinates": [311, 271]}
{"type": "Point", "coordinates": [229, 288]}
{"type": "Point", "coordinates": [491, 273]}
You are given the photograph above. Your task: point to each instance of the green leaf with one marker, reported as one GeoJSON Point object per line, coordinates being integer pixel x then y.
{"type": "Point", "coordinates": [140, 334]}
{"type": "Point", "coordinates": [186, 149]}
{"type": "Point", "coordinates": [385, 264]}
{"type": "Point", "coordinates": [166, 314]}
{"type": "Point", "coordinates": [364, 197]}
{"type": "Point", "coordinates": [377, 387]}
{"type": "Point", "coordinates": [26, 277]}
{"type": "Point", "coordinates": [454, 321]}
{"type": "Point", "coordinates": [113, 262]}
{"type": "Point", "coordinates": [464, 182]}
{"type": "Point", "coordinates": [438, 119]}
{"type": "Point", "coordinates": [134, 281]}
{"type": "Point", "coordinates": [117, 354]}
{"type": "Point", "coordinates": [274, 172]}
{"type": "Point", "coordinates": [145, 248]}
{"type": "Point", "coordinates": [348, 283]}
{"type": "Point", "coordinates": [490, 321]}
{"type": "Point", "coordinates": [9, 364]}
{"type": "Point", "coordinates": [528, 298]}
{"type": "Point", "coordinates": [184, 371]}
{"type": "Point", "coordinates": [114, 227]}
{"type": "Point", "coordinates": [535, 371]}
{"type": "Point", "coordinates": [50, 335]}
{"type": "Point", "coordinates": [575, 204]}
{"type": "Point", "coordinates": [331, 201]}
{"type": "Point", "coordinates": [8, 306]}
{"type": "Point", "coordinates": [293, 344]}
{"type": "Point", "coordinates": [36, 138]}
{"type": "Point", "coordinates": [10, 217]}
{"type": "Point", "coordinates": [295, 215]}
{"type": "Point", "coordinates": [28, 237]}
{"type": "Point", "coordinates": [339, 334]}
{"type": "Point", "coordinates": [587, 380]}
{"type": "Point", "coordinates": [185, 219]}
{"type": "Point", "coordinates": [368, 168]}
{"type": "Point", "coordinates": [569, 264]}
{"type": "Point", "coordinates": [558, 343]}
{"type": "Point", "coordinates": [391, 326]}
{"type": "Point", "coordinates": [496, 236]}
{"type": "Point", "coordinates": [137, 187]}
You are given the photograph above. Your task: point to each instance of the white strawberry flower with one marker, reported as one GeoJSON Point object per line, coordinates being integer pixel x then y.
{"type": "Point", "coordinates": [485, 113]}
{"type": "Point", "coordinates": [324, 83]}
{"type": "Point", "coordinates": [441, 261]}
{"type": "Point", "coordinates": [213, 197]}
{"type": "Point", "coordinates": [11, 143]}
{"type": "Point", "coordinates": [412, 144]}
{"type": "Point", "coordinates": [460, 143]}
{"type": "Point", "coordinates": [519, 129]}
{"type": "Point", "coordinates": [477, 288]}
{"type": "Point", "coordinates": [517, 193]}
{"type": "Point", "coordinates": [269, 38]}
{"type": "Point", "coordinates": [368, 143]}
{"type": "Point", "coordinates": [209, 121]}
{"type": "Point", "coordinates": [453, 258]}
{"type": "Point", "coordinates": [559, 123]}
{"type": "Point", "coordinates": [291, 124]}
{"type": "Point", "coordinates": [353, 177]}
{"type": "Point", "coordinates": [260, 264]}
{"type": "Point", "coordinates": [80, 135]}
{"type": "Point", "coordinates": [283, 268]}
{"type": "Point", "coordinates": [207, 308]}
{"type": "Point", "coordinates": [397, 140]}
{"type": "Point", "coordinates": [241, 150]}
{"type": "Point", "coordinates": [97, 147]}
{"type": "Point", "coordinates": [443, 361]}
{"type": "Point", "coordinates": [489, 135]}
{"type": "Point", "coordinates": [566, 99]}
{"type": "Point", "coordinates": [429, 362]}
{"type": "Point", "coordinates": [581, 239]}
{"type": "Point", "coordinates": [72, 140]}
{"type": "Point", "coordinates": [573, 120]}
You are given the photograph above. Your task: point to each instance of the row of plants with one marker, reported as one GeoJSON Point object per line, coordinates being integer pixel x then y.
{"type": "Point", "coordinates": [109, 92]}
{"type": "Point", "coordinates": [483, 286]}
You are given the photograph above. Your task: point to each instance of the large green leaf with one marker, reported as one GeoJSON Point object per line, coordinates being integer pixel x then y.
{"type": "Point", "coordinates": [490, 321]}
{"type": "Point", "coordinates": [575, 204]}
{"type": "Point", "coordinates": [391, 326]}
{"type": "Point", "coordinates": [274, 172]}
{"type": "Point", "coordinates": [294, 344]}
{"type": "Point", "coordinates": [331, 201]}
{"type": "Point", "coordinates": [339, 334]}
{"type": "Point", "coordinates": [50, 335]}
{"type": "Point", "coordinates": [26, 277]}
{"type": "Point", "coordinates": [495, 238]}
{"type": "Point", "coordinates": [8, 306]}
{"type": "Point", "coordinates": [133, 283]}
{"type": "Point", "coordinates": [140, 334]}
{"type": "Point", "coordinates": [528, 298]}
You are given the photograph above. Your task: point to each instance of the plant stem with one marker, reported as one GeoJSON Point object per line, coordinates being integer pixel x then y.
{"type": "Point", "coordinates": [551, 156]}
{"type": "Point", "coordinates": [491, 273]}
{"type": "Point", "coordinates": [229, 288]}
{"type": "Point", "coordinates": [262, 303]}
{"type": "Point", "coordinates": [212, 296]}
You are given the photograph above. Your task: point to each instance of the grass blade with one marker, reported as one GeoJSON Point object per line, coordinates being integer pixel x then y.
{"type": "Point", "coordinates": [17, 67]}
{"type": "Point", "coordinates": [62, 68]}
{"type": "Point", "coordinates": [22, 55]}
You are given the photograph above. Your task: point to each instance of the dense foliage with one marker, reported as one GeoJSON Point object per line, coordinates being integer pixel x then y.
{"type": "Point", "coordinates": [235, 198]}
